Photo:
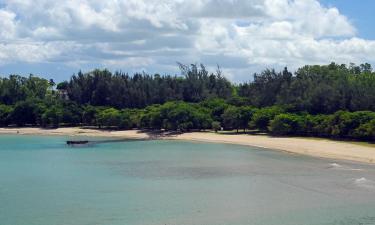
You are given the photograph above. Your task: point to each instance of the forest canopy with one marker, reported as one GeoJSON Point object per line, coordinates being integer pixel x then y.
{"type": "Point", "coordinates": [329, 100]}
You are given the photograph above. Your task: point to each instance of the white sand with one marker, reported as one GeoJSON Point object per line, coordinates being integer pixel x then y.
{"type": "Point", "coordinates": [74, 131]}
{"type": "Point", "coordinates": [312, 147]}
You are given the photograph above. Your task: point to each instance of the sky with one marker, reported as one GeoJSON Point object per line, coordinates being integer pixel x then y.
{"type": "Point", "coordinates": [55, 39]}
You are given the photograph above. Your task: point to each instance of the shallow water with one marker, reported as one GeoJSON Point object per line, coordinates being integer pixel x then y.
{"type": "Point", "coordinates": [45, 182]}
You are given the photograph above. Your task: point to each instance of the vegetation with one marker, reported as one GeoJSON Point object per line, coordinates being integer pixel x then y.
{"type": "Point", "coordinates": [335, 101]}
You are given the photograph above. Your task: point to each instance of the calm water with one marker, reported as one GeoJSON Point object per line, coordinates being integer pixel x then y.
{"type": "Point", "coordinates": [44, 182]}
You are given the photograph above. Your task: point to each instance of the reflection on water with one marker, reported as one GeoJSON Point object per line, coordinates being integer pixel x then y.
{"type": "Point", "coordinates": [45, 182]}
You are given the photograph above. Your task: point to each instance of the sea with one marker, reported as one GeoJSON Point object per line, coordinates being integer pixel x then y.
{"type": "Point", "coordinates": [43, 181]}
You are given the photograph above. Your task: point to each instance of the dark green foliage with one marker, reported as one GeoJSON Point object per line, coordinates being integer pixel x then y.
{"type": "Point", "coordinates": [351, 125]}
{"type": "Point", "coordinates": [5, 115]}
{"type": "Point", "coordinates": [216, 126]}
{"type": "Point", "coordinates": [72, 115]}
{"type": "Point", "coordinates": [316, 89]}
{"type": "Point", "coordinates": [287, 124]}
{"type": "Point", "coordinates": [114, 118]}
{"type": "Point", "coordinates": [335, 101]}
{"type": "Point", "coordinates": [262, 117]}
{"type": "Point", "coordinates": [102, 88]}
{"type": "Point", "coordinates": [231, 118]}
{"type": "Point", "coordinates": [89, 115]}
{"type": "Point", "coordinates": [246, 115]}
{"type": "Point", "coordinates": [237, 117]}
{"type": "Point", "coordinates": [26, 113]}
{"type": "Point", "coordinates": [62, 86]}
{"type": "Point", "coordinates": [176, 116]}
{"type": "Point", "coordinates": [52, 117]}
{"type": "Point", "coordinates": [264, 90]}
{"type": "Point", "coordinates": [216, 106]}
{"type": "Point", "coordinates": [151, 118]}
{"type": "Point", "coordinates": [365, 131]}
{"type": "Point", "coordinates": [342, 124]}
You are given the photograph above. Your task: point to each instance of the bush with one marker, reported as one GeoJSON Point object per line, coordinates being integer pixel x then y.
{"type": "Point", "coordinates": [5, 113]}
{"type": "Point", "coordinates": [52, 117]}
{"type": "Point", "coordinates": [365, 131]}
{"type": "Point", "coordinates": [287, 124]}
{"type": "Point", "coordinates": [183, 116]}
{"type": "Point", "coordinates": [25, 112]}
{"type": "Point", "coordinates": [109, 117]}
{"type": "Point", "coordinates": [89, 115]}
{"type": "Point", "coordinates": [262, 117]}
{"type": "Point", "coordinates": [216, 126]}
{"type": "Point", "coordinates": [318, 125]}
{"type": "Point", "coordinates": [176, 116]}
{"type": "Point", "coordinates": [231, 118]}
{"type": "Point", "coordinates": [246, 114]}
{"type": "Point", "coordinates": [344, 123]}
{"type": "Point", "coordinates": [151, 118]}
{"type": "Point", "coordinates": [216, 107]}
{"type": "Point", "coordinates": [71, 113]}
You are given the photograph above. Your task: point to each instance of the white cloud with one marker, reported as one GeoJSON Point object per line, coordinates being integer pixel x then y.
{"type": "Point", "coordinates": [237, 34]}
{"type": "Point", "coordinates": [132, 62]}
{"type": "Point", "coordinates": [34, 52]}
{"type": "Point", "coordinates": [7, 24]}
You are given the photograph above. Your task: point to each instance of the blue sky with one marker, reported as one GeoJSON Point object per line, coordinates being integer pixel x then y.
{"type": "Point", "coordinates": [360, 13]}
{"type": "Point", "coordinates": [55, 39]}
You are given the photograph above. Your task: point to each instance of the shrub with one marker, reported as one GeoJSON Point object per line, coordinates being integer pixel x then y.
{"type": "Point", "coordinates": [25, 112]}
{"type": "Point", "coordinates": [52, 117]}
{"type": "Point", "coordinates": [231, 118]}
{"type": "Point", "coordinates": [365, 131]}
{"type": "Point", "coordinates": [5, 113]}
{"type": "Point", "coordinates": [262, 117]}
{"type": "Point", "coordinates": [216, 126]}
{"type": "Point", "coordinates": [114, 118]}
{"type": "Point", "coordinates": [286, 124]}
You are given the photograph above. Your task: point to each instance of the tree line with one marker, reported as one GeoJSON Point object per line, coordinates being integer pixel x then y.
{"type": "Point", "coordinates": [315, 89]}
{"type": "Point", "coordinates": [332, 100]}
{"type": "Point", "coordinates": [120, 90]}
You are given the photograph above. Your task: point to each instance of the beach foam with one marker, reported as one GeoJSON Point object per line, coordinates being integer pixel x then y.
{"type": "Point", "coordinates": [364, 183]}
{"type": "Point", "coordinates": [341, 167]}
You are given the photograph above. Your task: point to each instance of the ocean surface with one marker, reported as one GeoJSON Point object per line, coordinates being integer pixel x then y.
{"type": "Point", "coordinates": [45, 182]}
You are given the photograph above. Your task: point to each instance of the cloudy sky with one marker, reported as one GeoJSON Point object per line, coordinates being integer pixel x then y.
{"type": "Point", "coordinates": [57, 38]}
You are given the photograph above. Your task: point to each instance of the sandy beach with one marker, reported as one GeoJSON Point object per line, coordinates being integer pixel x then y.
{"type": "Point", "coordinates": [312, 147]}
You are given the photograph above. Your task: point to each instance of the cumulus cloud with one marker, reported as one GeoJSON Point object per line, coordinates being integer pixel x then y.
{"type": "Point", "coordinates": [7, 24]}
{"type": "Point", "coordinates": [128, 34]}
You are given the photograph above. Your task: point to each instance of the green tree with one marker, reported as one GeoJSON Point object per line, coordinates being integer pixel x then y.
{"type": "Point", "coordinates": [25, 113]}
{"type": "Point", "coordinates": [114, 118]}
{"type": "Point", "coordinates": [262, 117]}
{"type": "Point", "coordinates": [5, 115]}
{"type": "Point", "coordinates": [246, 114]}
{"type": "Point", "coordinates": [109, 118]}
{"type": "Point", "coordinates": [365, 131]}
{"type": "Point", "coordinates": [52, 117]}
{"type": "Point", "coordinates": [286, 124]}
{"type": "Point", "coordinates": [216, 126]}
{"type": "Point", "coordinates": [89, 115]}
{"type": "Point", "coordinates": [232, 118]}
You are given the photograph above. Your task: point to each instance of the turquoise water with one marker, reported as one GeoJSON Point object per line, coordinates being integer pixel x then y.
{"type": "Point", "coordinates": [45, 182]}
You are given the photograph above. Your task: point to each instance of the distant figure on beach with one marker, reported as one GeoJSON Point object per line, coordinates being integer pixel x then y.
{"type": "Point", "coordinates": [18, 131]}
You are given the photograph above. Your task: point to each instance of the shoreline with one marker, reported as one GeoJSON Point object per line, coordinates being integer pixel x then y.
{"type": "Point", "coordinates": [324, 148]}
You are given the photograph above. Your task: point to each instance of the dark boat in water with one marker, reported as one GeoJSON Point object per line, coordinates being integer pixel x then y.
{"type": "Point", "coordinates": [77, 142]}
